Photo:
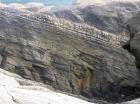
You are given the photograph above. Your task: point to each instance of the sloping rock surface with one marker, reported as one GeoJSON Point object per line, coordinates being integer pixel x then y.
{"type": "Point", "coordinates": [110, 17]}
{"type": "Point", "coordinates": [71, 64]}
{"type": "Point", "coordinates": [16, 90]}
{"type": "Point", "coordinates": [28, 92]}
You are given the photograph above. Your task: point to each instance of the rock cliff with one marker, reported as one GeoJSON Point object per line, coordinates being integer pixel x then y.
{"type": "Point", "coordinates": [73, 62]}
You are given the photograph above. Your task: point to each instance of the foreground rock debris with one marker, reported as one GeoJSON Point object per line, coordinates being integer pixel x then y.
{"type": "Point", "coordinates": [11, 92]}
{"type": "Point", "coordinates": [16, 90]}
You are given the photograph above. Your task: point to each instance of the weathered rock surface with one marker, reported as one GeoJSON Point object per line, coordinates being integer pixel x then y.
{"type": "Point", "coordinates": [109, 17]}
{"type": "Point", "coordinates": [133, 28]}
{"type": "Point", "coordinates": [16, 90]}
{"type": "Point", "coordinates": [67, 63]}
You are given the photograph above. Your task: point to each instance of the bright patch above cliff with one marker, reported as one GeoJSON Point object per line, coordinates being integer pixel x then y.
{"type": "Point", "coordinates": [47, 2]}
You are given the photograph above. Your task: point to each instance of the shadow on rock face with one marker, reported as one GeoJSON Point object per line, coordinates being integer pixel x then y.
{"type": "Point", "coordinates": [133, 46]}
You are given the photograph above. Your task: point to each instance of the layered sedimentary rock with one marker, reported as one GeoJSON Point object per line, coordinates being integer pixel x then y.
{"type": "Point", "coordinates": [68, 61]}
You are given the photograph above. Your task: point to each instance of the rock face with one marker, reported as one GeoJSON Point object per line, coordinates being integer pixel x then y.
{"type": "Point", "coordinates": [28, 92]}
{"type": "Point", "coordinates": [71, 64]}
{"type": "Point", "coordinates": [16, 90]}
{"type": "Point", "coordinates": [133, 27]}
{"type": "Point", "coordinates": [110, 17]}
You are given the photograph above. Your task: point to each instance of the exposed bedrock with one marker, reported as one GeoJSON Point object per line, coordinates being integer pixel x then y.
{"type": "Point", "coordinates": [133, 28]}
{"type": "Point", "coordinates": [67, 63]}
{"type": "Point", "coordinates": [133, 45]}
{"type": "Point", "coordinates": [110, 17]}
